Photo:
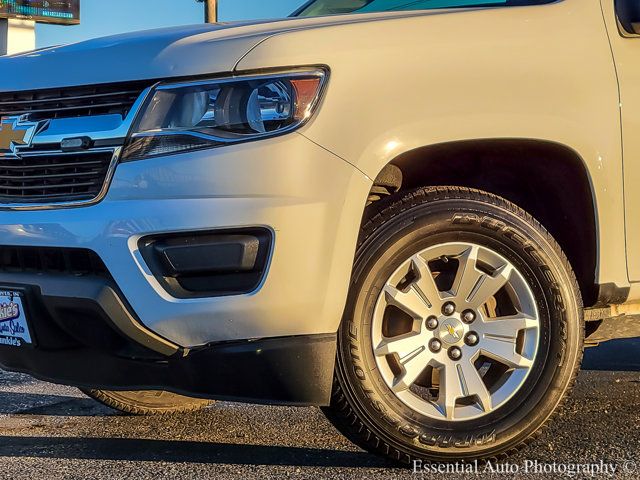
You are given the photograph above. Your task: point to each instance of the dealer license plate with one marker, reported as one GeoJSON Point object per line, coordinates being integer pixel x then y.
{"type": "Point", "coordinates": [14, 329]}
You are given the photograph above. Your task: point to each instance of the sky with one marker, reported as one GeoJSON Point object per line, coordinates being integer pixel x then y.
{"type": "Point", "coordinates": [105, 17]}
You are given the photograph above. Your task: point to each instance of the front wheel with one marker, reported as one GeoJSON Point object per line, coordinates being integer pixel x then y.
{"type": "Point", "coordinates": [463, 330]}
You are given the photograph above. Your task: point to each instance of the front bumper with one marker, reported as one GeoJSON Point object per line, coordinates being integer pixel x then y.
{"type": "Point", "coordinates": [310, 200]}
{"type": "Point", "coordinates": [82, 332]}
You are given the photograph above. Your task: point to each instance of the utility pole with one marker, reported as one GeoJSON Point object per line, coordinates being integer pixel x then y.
{"type": "Point", "coordinates": [210, 10]}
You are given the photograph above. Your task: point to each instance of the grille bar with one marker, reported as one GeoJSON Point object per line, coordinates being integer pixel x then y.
{"type": "Point", "coordinates": [61, 177]}
{"type": "Point", "coordinates": [32, 178]}
{"type": "Point", "coordinates": [73, 102]}
{"type": "Point", "coordinates": [60, 111]}
{"type": "Point", "coordinates": [83, 98]}
{"type": "Point", "coordinates": [49, 187]}
{"type": "Point", "coordinates": [50, 166]}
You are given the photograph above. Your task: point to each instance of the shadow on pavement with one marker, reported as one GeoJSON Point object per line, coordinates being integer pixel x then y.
{"type": "Point", "coordinates": [135, 449]}
{"type": "Point", "coordinates": [612, 356]}
{"type": "Point", "coordinates": [616, 355]}
{"type": "Point", "coordinates": [51, 405]}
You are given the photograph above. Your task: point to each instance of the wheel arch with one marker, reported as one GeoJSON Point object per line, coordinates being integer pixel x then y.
{"type": "Point", "coordinates": [548, 179]}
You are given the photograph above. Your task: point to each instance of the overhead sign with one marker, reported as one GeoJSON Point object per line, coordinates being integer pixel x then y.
{"type": "Point", "coordinates": [64, 12]}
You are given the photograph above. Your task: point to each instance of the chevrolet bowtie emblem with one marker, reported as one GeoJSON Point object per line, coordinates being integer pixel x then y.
{"type": "Point", "coordinates": [14, 133]}
{"type": "Point", "coordinates": [452, 331]}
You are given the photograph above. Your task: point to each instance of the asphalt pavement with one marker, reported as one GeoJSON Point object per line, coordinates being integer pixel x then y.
{"type": "Point", "coordinates": [50, 431]}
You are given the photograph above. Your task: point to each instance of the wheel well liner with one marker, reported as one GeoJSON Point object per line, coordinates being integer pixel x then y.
{"type": "Point", "coordinates": [547, 179]}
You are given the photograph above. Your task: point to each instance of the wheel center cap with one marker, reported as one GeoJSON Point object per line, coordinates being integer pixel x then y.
{"type": "Point", "coordinates": [451, 331]}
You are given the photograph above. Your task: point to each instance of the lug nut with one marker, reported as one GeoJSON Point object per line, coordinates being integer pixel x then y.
{"type": "Point", "coordinates": [432, 323]}
{"type": "Point", "coordinates": [468, 316]}
{"type": "Point", "coordinates": [435, 345]}
{"type": "Point", "coordinates": [449, 308]}
{"type": "Point", "coordinates": [471, 339]}
{"type": "Point", "coordinates": [455, 353]}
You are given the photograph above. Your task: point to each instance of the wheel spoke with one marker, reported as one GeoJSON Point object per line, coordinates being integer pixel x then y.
{"type": "Point", "coordinates": [461, 380]}
{"type": "Point", "coordinates": [468, 278]}
{"type": "Point", "coordinates": [467, 274]}
{"type": "Point", "coordinates": [405, 346]}
{"type": "Point", "coordinates": [473, 385]}
{"type": "Point", "coordinates": [488, 285]}
{"type": "Point", "coordinates": [503, 350]}
{"type": "Point", "coordinates": [412, 367]}
{"type": "Point", "coordinates": [410, 302]}
{"type": "Point", "coordinates": [474, 286]}
{"type": "Point", "coordinates": [450, 391]}
{"type": "Point", "coordinates": [508, 326]}
{"type": "Point", "coordinates": [425, 283]}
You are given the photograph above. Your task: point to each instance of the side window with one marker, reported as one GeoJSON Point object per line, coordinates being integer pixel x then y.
{"type": "Point", "coordinates": [629, 16]}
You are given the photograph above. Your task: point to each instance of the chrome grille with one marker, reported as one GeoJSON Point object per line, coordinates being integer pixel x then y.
{"type": "Point", "coordinates": [72, 102]}
{"type": "Point", "coordinates": [47, 177]}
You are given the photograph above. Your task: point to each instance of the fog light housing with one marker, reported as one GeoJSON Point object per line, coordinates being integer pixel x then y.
{"type": "Point", "coordinates": [208, 264]}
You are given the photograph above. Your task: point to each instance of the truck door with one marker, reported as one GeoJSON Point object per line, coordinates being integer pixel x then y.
{"type": "Point", "coordinates": [623, 24]}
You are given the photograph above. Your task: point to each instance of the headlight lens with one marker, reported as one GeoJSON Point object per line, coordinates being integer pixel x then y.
{"type": "Point", "coordinates": [192, 116]}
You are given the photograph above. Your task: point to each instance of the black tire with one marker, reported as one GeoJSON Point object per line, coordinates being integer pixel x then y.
{"type": "Point", "coordinates": [366, 410]}
{"type": "Point", "coordinates": [147, 402]}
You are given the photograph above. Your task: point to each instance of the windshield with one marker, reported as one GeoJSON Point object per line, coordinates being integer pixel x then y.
{"type": "Point", "coordinates": [334, 7]}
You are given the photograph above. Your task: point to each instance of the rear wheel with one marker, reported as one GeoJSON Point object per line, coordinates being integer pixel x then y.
{"type": "Point", "coordinates": [463, 330]}
{"type": "Point", "coordinates": [147, 402]}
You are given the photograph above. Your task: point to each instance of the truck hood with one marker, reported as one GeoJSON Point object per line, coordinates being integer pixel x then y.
{"type": "Point", "coordinates": [156, 54]}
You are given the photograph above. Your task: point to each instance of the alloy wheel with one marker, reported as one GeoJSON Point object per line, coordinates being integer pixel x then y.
{"type": "Point", "coordinates": [455, 331]}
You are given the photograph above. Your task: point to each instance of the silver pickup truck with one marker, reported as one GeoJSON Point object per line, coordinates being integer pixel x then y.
{"type": "Point", "coordinates": [414, 215]}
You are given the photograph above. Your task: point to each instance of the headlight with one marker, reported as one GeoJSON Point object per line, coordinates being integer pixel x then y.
{"type": "Point", "coordinates": [205, 114]}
